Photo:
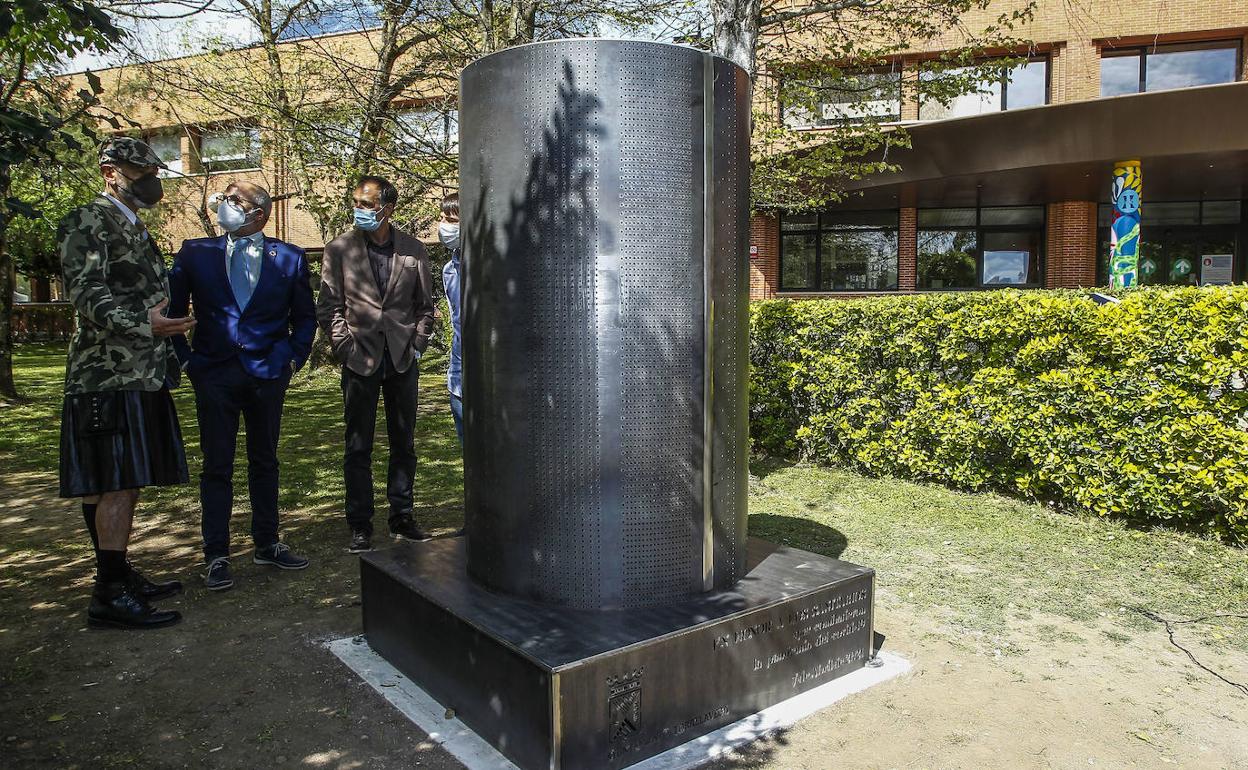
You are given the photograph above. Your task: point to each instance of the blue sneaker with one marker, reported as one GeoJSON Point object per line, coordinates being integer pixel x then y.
{"type": "Point", "coordinates": [279, 555]}
{"type": "Point", "coordinates": [218, 576]}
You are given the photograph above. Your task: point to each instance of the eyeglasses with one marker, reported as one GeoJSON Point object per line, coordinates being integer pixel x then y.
{"type": "Point", "coordinates": [233, 199]}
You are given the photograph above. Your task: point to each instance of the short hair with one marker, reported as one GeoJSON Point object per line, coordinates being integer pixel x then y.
{"type": "Point", "coordinates": [259, 196]}
{"type": "Point", "coordinates": [387, 192]}
{"type": "Point", "coordinates": [450, 205]}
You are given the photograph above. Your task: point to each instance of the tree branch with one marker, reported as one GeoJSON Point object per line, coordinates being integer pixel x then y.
{"type": "Point", "coordinates": [817, 9]}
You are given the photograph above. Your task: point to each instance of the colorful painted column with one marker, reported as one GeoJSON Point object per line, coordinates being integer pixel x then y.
{"type": "Point", "coordinates": [1124, 234]}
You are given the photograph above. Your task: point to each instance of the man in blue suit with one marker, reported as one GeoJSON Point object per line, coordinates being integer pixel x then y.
{"type": "Point", "coordinates": [256, 318]}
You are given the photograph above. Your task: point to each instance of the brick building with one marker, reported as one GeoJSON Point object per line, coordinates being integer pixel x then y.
{"type": "Point", "coordinates": [209, 139]}
{"type": "Point", "coordinates": [1012, 187]}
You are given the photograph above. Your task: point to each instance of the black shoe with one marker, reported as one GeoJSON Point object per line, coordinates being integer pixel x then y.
{"type": "Point", "coordinates": [147, 590]}
{"type": "Point", "coordinates": [361, 542]}
{"type": "Point", "coordinates": [114, 605]}
{"type": "Point", "coordinates": [279, 555]}
{"type": "Point", "coordinates": [218, 576]}
{"type": "Point", "coordinates": [406, 528]}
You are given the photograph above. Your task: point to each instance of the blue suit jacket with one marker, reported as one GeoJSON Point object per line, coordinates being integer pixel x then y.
{"type": "Point", "coordinates": [274, 330]}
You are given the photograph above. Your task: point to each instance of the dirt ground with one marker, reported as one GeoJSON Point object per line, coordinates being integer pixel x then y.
{"type": "Point", "coordinates": [245, 680]}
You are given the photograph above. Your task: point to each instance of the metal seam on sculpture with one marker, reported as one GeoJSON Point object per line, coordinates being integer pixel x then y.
{"type": "Point", "coordinates": [871, 628]}
{"type": "Point", "coordinates": [708, 306]}
{"type": "Point", "coordinates": [556, 724]}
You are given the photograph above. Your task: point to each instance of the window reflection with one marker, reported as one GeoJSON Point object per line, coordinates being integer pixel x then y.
{"type": "Point", "coordinates": [798, 261]}
{"type": "Point", "coordinates": [1164, 67]}
{"type": "Point", "coordinates": [1011, 259]}
{"type": "Point", "coordinates": [1168, 68]}
{"type": "Point", "coordinates": [859, 260]}
{"type": "Point", "coordinates": [839, 251]}
{"type": "Point", "coordinates": [850, 97]}
{"type": "Point", "coordinates": [1025, 85]}
{"type": "Point", "coordinates": [946, 259]}
{"type": "Point", "coordinates": [980, 248]}
{"type": "Point", "coordinates": [1120, 75]}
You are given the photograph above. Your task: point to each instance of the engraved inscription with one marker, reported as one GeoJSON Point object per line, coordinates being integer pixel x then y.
{"type": "Point", "coordinates": [803, 631]}
{"type": "Point", "coordinates": [624, 711]}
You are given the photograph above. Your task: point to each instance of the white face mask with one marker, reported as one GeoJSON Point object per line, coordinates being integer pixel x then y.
{"type": "Point", "coordinates": [448, 233]}
{"type": "Point", "coordinates": [230, 217]}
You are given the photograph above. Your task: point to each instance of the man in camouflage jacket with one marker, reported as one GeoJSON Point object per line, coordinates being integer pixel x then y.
{"type": "Point", "coordinates": [119, 429]}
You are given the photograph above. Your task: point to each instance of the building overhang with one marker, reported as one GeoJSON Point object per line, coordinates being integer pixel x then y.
{"type": "Point", "coordinates": [1193, 144]}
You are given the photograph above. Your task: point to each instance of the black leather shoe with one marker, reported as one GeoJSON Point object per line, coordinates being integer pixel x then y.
{"type": "Point", "coordinates": [114, 605]}
{"type": "Point", "coordinates": [149, 591]}
{"type": "Point", "coordinates": [361, 542]}
{"type": "Point", "coordinates": [406, 528]}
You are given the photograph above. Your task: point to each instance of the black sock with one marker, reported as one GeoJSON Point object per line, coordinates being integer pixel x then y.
{"type": "Point", "coordinates": [113, 567]}
{"type": "Point", "coordinates": [88, 515]}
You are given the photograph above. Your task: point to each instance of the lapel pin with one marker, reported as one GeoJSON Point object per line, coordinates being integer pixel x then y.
{"type": "Point", "coordinates": [273, 253]}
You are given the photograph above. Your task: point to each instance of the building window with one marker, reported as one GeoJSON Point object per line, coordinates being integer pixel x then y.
{"type": "Point", "coordinates": [168, 147]}
{"type": "Point", "coordinates": [839, 251]}
{"type": "Point", "coordinates": [1163, 67]}
{"type": "Point", "coordinates": [1024, 85]}
{"type": "Point", "coordinates": [970, 248]}
{"type": "Point", "coordinates": [428, 131]}
{"type": "Point", "coordinates": [1182, 243]}
{"type": "Point", "coordinates": [229, 149]}
{"type": "Point", "coordinates": [848, 98]}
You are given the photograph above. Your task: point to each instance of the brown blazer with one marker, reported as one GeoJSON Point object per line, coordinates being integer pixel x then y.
{"type": "Point", "coordinates": [351, 311]}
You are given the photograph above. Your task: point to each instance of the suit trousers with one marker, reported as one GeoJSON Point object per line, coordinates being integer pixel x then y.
{"type": "Point", "coordinates": [223, 393]}
{"type": "Point", "coordinates": [359, 397]}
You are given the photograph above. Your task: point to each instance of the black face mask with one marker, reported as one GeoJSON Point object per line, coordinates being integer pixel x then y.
{"type": "Point", "coordinates": [147, 189]}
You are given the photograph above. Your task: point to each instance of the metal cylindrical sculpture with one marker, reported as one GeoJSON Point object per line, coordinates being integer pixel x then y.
{"type": "Point", "coordinates": [604, 202]}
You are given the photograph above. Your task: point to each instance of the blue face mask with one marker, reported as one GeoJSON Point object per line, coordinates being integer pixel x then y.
{"type": "Point", "coordinates": [367, 219]}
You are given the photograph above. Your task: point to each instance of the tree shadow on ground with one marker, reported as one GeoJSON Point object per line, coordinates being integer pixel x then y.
{"type": "Point", "coordinates": [799, 533]}
{"type": "Point", "coordinates": [763, 466]}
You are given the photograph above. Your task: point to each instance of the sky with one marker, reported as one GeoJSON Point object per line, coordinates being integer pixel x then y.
{"type": "Point", "coordinates": [168, 38]}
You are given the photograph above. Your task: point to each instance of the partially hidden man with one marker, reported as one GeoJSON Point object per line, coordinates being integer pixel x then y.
{"type": "Point", "coordinates": [252, 297]}
{"type": "Point", "coordinates": [119, 427]}
{"type": "Point", "coordinates": [376, 307]}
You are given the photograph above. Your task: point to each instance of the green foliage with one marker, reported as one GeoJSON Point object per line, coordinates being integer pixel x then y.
{"type": "Point", "coordinates": [37, 36]}
{"type": "Point", "coordinates": [53, 188]}
{"type": "Point", "coordinates": [1137, 410]}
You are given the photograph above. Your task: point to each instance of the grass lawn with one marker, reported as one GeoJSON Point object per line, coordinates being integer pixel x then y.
{"type": "Point", "coordinates": [310, 447]}
{"type": "Point", "coordinates": [998, 600]}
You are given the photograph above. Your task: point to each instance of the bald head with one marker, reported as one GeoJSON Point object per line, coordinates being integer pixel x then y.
{"type": "Point", "coordinates": [257, 199]}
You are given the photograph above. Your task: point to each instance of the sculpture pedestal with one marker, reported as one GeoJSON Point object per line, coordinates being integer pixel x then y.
{"type": "Point", "coordinates": [556, 688]}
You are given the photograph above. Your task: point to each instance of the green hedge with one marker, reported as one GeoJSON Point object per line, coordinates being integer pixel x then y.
{"type": "Point", "coordinates": [1137, 410]}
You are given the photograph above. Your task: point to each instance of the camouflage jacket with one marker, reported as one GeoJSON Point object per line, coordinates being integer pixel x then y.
{"type": "Point", "coordinates": [113, 276]}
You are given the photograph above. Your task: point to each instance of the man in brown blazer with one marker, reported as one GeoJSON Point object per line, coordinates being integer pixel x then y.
{"type": "Point", "coordinates": [376, 306]}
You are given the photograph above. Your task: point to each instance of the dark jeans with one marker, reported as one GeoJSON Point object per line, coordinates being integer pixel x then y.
{"type": "Point", "coordinates": [222, 393]}
{"type": "Point", "coordinates": [457, 411]}
{"type": "Point", "coordinates": [359, 398]}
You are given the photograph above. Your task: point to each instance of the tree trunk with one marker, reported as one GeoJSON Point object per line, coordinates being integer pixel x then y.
{"type": "Point", "coordinates": [736, 31]}
{"type": "Point", "coordinates": [8, 388]}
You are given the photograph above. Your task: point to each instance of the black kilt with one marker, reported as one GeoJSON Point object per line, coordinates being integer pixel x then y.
{"type": "Point", "coordinates": [120, 439]}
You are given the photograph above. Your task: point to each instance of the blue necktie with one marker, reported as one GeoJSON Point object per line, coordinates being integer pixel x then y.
{"type": "Point", "coordinates": [239, 280]}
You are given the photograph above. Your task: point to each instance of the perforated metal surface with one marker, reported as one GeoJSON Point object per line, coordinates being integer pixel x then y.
{"type": "Point", "coordinates": [583, 166]}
